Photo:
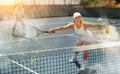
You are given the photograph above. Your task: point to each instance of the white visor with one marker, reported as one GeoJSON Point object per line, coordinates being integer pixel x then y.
{"type": "Point", "coordinates": [76, 14]}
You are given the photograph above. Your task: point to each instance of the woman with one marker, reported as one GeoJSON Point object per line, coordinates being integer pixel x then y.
{"type": "Point", "coordinates": [80, 28]}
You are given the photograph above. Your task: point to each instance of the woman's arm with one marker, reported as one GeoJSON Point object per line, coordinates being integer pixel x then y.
{"type": "Point", "coordinates": [98, 25]}
{"type": "Point", "coordinates": [89, 24]}
{"type": "Point", "coordinates": [69, 26]}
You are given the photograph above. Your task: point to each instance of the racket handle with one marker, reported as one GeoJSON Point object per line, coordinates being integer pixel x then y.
{"type": "Point", "coordinates": [51, 31]}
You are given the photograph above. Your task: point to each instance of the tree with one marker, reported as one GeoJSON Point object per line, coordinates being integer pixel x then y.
{"type": "Point", "coordinates": [117, 2]}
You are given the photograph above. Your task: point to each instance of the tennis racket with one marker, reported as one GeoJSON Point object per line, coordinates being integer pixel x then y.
{"type": "Point", "coordinates": [39, 32]}
{"type": "Point", "coordinates": [32, 32]}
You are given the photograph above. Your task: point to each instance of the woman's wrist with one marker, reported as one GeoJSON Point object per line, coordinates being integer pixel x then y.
{"type": "Point", "coordinates": [100, 26]}
{"type": "Point", "coordinates": [53, 29]}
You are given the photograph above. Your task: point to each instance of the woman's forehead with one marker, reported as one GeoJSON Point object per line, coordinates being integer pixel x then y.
{"type": "Point", "coordinates": [77, 17]}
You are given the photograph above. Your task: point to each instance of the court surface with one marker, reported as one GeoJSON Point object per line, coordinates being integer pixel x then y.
{"type": "Point", "coordinates": [50, 53]}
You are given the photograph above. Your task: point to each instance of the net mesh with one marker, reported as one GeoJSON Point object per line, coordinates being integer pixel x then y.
{"type": "Point", "coordinates": [103, 60]}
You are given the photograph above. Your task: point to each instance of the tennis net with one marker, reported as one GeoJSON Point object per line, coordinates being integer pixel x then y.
{"type": "Point", "coordinates": [50, 55]}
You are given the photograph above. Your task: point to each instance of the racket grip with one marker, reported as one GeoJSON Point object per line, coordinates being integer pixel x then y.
{"type": "Point", "coordinates": [53, 31]}
{"type": "Point", "coordinates": [50, 31]}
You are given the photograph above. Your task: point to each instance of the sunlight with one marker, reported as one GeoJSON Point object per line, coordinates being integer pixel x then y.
{"type": "Point", "coordinates": [9, 2]}
{"type": "Point", "coordinates": [4, 2]}
{"type": "Point", "coordinates": [42, 2]}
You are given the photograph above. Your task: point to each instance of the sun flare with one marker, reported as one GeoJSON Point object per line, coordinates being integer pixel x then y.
{"type": "Point", "coordinates": [10, 2]}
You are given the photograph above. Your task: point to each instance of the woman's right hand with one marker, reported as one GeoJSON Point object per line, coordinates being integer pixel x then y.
{"type": "Point", "coordinates": [51, 31]}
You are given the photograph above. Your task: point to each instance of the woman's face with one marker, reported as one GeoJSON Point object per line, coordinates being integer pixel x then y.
{"type": "Point", "coordinates": [78, 20]}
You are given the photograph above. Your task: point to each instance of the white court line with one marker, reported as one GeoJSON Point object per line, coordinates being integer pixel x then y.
{"type": "Point", "coordinates": [27, 39]}
{"type": "Point", "coordinates": [23, 67]}
{"type": "Point", "coordinates": [100, 41]}
{"type": "Point", "coordinates": [24, 39]}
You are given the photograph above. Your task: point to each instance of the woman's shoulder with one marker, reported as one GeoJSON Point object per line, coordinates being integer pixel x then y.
{"type": "Point", "coordinates": [71, 24]}
{"type": "Point", "coordinates": [84, 22]}
{"type": "Point", "coordinates": [87, 23]}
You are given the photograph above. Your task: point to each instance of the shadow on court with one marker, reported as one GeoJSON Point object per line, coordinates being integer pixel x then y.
{"type": "Point", "coordinates": [87, 71]}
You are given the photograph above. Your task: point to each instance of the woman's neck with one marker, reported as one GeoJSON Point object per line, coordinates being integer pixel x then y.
{"type": "Point", "coordinates": [78, 25]}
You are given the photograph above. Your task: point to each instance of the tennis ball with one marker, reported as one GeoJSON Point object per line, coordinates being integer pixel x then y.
{"type": "Point", "coordinates": [107, 30]}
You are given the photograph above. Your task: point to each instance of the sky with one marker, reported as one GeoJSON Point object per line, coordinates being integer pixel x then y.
{"type": "Point", "coordinates": [11, 2]}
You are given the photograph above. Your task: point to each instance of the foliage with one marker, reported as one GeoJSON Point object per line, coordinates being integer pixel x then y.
{"type": "Point", "coordinates": [89, 2]}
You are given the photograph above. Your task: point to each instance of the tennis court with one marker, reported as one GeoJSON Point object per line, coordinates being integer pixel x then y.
{"type": "Point", "coordinates": [50, 53]}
